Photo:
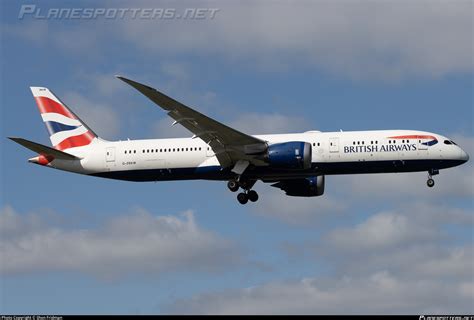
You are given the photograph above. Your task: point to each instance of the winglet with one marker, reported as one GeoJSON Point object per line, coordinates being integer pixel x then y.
{"type": "Point", "coordinates": [137, 85]}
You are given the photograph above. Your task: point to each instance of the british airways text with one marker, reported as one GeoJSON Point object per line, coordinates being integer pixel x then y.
{"type": "Point", "coordinates": [382, 148]}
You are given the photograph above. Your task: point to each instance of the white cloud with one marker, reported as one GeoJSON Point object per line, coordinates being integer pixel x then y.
{"type": "Point", "coordinates": [100, 117]}
{"type": "Point", "coordinates": [378, 232]}
{"type": "Point", "coordinates": [378, 292]}
{"type": "Point", "coordinates": [389, 263]}
{"type": "Point", "coordinates": [104, 84]}
{"type": "Point", "coordinates": [297, 210]}
{"type": "Point", "coordinates": [175, 70]}
{"type": "Point", "coordinates": [258, 123]}
{"type": "Point", "coordinates": [358, 40]}
{"type": "Point", "coordinates": [33, 31]}
{"type": "Point", "coordinates": [417, 242]}
{"type": "Point", "coordinates": [163, 128]}
{"type": "Point", "coordinates": [386, 40]}
{"type": "Point", "coordinates": [136, 242]}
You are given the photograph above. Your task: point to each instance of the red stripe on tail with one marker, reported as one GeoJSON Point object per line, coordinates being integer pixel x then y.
{"type": "Point", "coordinates": [46, 105]}
{"type": "Point", "coordinates": [75, 141]}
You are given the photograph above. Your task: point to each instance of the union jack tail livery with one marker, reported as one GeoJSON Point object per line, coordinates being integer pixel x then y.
{"type": "Point", "coordinates": [65, 129]}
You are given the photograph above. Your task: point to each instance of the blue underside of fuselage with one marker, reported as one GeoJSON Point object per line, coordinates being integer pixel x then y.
{"type": "Point", "coordinates": [269, 174]}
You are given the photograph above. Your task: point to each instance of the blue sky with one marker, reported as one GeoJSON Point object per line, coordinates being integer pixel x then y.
{"type": "Point", "coordinates": [371, 244]}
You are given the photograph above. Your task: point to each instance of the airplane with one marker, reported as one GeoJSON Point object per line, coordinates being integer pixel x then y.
{"type": "Point", "coordinates": [296, 163]}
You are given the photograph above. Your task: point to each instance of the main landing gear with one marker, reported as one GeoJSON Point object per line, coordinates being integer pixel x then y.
{"type": "Point", "coordinates": [245, 196]}
{"type": "Point", "coordinates": [430, 182]}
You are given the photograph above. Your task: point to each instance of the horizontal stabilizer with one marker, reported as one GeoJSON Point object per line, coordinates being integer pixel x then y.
{"type": "Point", "coordinates": [44, 150]}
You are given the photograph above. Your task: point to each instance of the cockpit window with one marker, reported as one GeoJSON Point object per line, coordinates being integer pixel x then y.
{"type": "Point", "coordinates": [453, 142]}
{"type": "Point", "coordinates": [447, 142]}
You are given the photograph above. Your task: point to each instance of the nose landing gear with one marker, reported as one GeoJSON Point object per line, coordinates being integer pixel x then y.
{"type": "Point", "coordinates": [430, 183]}
{"type": "Point", "coordinates": [432, 172]}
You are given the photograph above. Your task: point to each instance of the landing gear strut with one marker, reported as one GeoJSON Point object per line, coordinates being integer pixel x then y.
{"type": "Point", "coordinates": [430, 183]}
{"type": "Point", "coordinates": [246, 185]}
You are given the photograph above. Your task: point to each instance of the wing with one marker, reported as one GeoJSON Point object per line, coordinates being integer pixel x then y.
{"type": "Point", "coordinates": [229, 145]}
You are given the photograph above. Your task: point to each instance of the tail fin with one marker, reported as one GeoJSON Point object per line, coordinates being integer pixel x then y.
{"type": "Point", "coordinates": [65, 129]}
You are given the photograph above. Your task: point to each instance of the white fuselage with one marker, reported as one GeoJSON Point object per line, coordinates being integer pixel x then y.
{"type": "Point", "coordinates": [331, 153]}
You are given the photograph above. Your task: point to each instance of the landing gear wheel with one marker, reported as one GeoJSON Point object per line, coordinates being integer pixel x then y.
{"type": "Point", "coordinates": [430, 183]}
{"type": "Point", "coordinates": [252, 195]}
{"type": "Point", "coordinates": [242, 198]}
{"type": "Point", "coordinates": [233, 185]}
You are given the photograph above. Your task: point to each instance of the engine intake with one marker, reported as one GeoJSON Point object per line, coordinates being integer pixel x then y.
{"type": "Point", "coordinates": [307, 187]}
{"type": "Point", "coordinates": [290, 155]}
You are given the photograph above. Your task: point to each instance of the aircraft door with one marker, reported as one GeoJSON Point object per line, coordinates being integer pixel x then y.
{"type": "Point", "coordinates": [421, 146]}
{"type": "Point", "coordinates": [110, 156]}
{"type": "Point", "coordinates": [333, 145]}
{"type": "Point", "coordinates": [209, 151]}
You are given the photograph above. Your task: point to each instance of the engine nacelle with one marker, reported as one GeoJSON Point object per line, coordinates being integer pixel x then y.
{"type": "Point", "coordinates": [290, 155]}
{"type": "Point", "coordinates": [306, 187]}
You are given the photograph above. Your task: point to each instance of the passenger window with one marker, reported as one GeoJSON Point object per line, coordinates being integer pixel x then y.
{"type": "Point", "coordinates": [125, 151]}
{"type": "Point", "coordinates": [319, 144]}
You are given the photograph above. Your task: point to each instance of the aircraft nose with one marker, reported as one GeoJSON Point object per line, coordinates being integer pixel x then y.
{"type": "Point", "coordinates": [464, 156]}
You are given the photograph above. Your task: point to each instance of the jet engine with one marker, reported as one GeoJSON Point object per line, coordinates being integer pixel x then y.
{"type": "Point", "coordinates": [306, 187]}
{"type": "Point", "coordinates": [290, 155]}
